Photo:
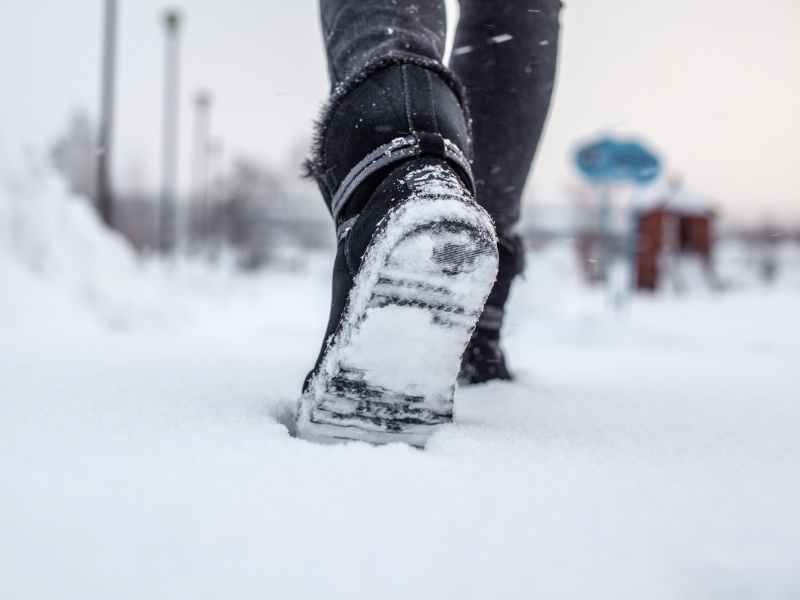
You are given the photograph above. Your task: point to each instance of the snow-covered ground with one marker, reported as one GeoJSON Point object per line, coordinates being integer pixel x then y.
{"type": "Point", "coordinates": [652, 453]}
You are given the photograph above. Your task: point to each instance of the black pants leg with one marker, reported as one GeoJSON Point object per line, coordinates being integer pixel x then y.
{"type": "Point", "coordinates": [505, 56]}
{"type": "Point", "coordinates": [359, 32]}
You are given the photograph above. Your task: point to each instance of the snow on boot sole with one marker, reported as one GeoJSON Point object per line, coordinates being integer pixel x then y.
{"type": "Point", "coordinates": [390, 369]}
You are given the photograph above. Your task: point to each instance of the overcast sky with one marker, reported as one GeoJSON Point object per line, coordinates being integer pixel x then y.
{"type": "Point", "coordinates": [714, 85]}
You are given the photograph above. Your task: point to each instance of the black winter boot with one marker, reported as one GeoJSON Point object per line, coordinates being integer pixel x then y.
{"type": "Point", "coordinates": [483, 359]}
{"type": "Point", "coordinates": [415, 261]}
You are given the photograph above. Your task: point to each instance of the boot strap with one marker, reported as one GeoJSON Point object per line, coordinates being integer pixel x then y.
{"type": "Point", "coordinates": [417, 144]}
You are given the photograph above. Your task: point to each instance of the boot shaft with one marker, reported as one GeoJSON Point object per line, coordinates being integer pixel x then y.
{"type": "Point", "coordinates": [377, 122]}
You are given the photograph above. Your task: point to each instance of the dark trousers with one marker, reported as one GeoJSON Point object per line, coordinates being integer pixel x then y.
{"type": "Point", "coordinates": [504, 55]}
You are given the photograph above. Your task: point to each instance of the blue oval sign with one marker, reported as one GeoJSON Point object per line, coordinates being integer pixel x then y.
{"type": "Point", "coordinates": [613, 160]}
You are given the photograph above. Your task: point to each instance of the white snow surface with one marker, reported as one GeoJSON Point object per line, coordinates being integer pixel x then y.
{"type": "Point", "coordinates": [648, 454]}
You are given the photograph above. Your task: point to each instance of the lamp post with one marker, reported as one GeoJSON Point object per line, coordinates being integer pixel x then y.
{"type": "Point", "coordinates": [200, 163]}
{"type": "Point", "coordinates": [215, 206]}
{"type": "Point", "coordinates": [105, 202]}
{"type": "Point", "coordinates": [169, 165]}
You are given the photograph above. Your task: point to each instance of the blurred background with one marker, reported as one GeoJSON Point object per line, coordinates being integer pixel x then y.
{"type": "Point", "coordinates": [185, 125]}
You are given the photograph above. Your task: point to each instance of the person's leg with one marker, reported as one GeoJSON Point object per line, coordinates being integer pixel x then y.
{"type": "Point", "coordinates": [505, 56]}
{"type": "Point", "coordinates": [416, 256]}
{"type": "Point", "coordinates": [358, 33]}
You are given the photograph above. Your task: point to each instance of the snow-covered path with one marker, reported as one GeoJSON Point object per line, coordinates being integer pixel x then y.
{"type": "Point", "coordinates": [653, 455]}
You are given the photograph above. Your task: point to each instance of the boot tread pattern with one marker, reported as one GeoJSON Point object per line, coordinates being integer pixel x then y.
{"type": "Point", "coordinates": [390, 369]}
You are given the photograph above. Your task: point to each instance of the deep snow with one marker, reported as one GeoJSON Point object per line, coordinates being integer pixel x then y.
{"type": "Point", "coordinates": [648, 454]}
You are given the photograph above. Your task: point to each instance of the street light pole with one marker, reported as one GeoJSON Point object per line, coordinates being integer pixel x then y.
{"type": "Point", "coordinates": [200, 166]}
{"type": "Point", "coordinates": [216, 227]}
{"type": "Point", "coordinates": [169, 177]}
{"type": "Point", "coordinates": [105, 202]}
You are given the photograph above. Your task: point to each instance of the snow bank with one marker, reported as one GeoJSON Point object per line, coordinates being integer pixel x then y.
{"type": "Point", "coordinates": [56, 256]}
{"type": "Point", "coordinates": [62, 269]}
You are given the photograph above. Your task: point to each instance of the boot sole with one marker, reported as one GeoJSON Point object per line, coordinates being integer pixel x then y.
{"type": "Point", "coordinates": [390, 370]}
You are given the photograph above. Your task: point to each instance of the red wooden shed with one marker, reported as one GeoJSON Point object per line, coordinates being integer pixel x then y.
{"type": "Point", "coordinates": [672, 224]}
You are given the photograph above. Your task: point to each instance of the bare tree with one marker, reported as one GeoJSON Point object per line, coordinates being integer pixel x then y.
{"type": "Point", "coordinates": [73, 155]}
